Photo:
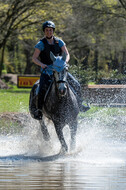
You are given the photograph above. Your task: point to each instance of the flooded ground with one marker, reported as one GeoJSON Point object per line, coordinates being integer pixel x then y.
{"type": "Point", "coordinates": [98, 163]}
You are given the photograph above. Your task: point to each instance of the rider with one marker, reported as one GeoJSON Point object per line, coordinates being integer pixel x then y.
{"type": "Point", "coordinates": [41, 57]}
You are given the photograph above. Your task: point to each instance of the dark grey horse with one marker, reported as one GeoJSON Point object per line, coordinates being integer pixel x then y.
{"type": "Point", "coordinates": [60, 104]}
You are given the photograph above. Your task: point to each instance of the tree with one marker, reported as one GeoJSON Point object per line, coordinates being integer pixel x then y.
{"type": "Point", "coordinates": [23, 18]}
{"type": "Point", "coordinates": [98, 27]}
{"type": "Point", "coordinates": [15, 15]}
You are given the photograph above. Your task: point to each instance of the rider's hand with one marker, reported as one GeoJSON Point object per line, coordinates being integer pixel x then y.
{"type": "Point", "coordinates": [44, 66]}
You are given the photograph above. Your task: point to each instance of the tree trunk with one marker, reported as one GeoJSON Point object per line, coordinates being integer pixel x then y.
{"type": "Point", "coordinates": [96, 64]}
{"type": "Point", "coordinates": [2, 59]}
{"type": "Point", "coordinates": [28, 62]}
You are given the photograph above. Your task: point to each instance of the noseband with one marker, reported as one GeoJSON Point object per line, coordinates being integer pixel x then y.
{"type": "Point", "coordinates": [61, 81]}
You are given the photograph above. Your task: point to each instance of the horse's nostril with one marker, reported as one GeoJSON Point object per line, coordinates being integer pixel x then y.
{"type": "Point", "coordinates": [62, 91]}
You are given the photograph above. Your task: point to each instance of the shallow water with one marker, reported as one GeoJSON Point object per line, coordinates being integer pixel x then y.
{"type": "Point", "coordinates": [98, 163]}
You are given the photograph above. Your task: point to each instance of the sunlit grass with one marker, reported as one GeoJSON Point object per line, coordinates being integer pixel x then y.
{"type": "Point", "coordinates": [104, 112]}
{"type": "Point", "coordinates": [14, 100]}
{"type": "Point", "coordinates": [17, 100]}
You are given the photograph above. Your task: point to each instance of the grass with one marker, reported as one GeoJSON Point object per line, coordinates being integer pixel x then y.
{"type": "Point", "coordinates": [14, 100]}
{"type": "Point", "coordinates": [104, 112]}
{"type": "Point", "coordinates": [17, 100]}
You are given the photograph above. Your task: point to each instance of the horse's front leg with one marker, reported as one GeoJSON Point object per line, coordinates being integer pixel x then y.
{"type": "Point", "coordinates": [64, 147]}
{"type": "Point", "coordinates": [44, 130]}
{"type": "Point", "coordinates": [73, 131]}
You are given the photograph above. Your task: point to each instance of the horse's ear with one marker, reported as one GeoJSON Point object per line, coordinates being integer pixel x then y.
{"type": "Point", "coordinates": [52, 56]}
{"type": "Point", "coordinates": [64, 56]}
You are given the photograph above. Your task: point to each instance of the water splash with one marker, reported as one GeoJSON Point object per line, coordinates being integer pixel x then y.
{"type": "Point", "coordinates": [100, 140]}
{"type": "Point", "coordinates": [103, 139]}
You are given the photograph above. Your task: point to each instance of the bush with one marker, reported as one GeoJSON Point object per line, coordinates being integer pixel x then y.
{"type": "Point", "coordinates": [4, 71]}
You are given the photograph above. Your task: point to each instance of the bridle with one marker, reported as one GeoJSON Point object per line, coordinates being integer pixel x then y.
{"type": "Point", "coordinates": [62, 77]}
{"type": "Point", "coordinates": [57, 81]}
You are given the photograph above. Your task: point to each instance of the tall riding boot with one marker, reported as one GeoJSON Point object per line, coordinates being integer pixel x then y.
{"type": "Point", "coordinates": [32, 104]}
{"type": "Point", "coordinates": [38, 112]}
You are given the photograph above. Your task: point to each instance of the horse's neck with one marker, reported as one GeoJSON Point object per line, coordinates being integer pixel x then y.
{"type": "Point", "coordinates": [57, 104]}
{"type": "Point", "coordinates": [51, 93]}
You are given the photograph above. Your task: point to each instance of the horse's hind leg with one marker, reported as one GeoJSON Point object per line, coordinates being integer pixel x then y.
{"type": "Point", "coordinates": [44, 130]}
{"type": "Point", "coordinates": [73, 131]}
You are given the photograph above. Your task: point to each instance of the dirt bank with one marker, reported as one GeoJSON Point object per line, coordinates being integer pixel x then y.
{"type": "Point", "coordinates": [15, 117]}
{"type": "Point", "coordinates": [3, 85]}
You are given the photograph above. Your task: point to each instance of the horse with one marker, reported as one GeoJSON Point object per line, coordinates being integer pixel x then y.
{"type": "Point", "coordinates": [60, 104]}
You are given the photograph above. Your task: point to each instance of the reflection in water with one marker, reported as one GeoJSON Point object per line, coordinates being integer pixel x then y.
{"type": "Point", "coordinates": [61, 175]}
{"type": "Point", "coordinates": [99, 162]}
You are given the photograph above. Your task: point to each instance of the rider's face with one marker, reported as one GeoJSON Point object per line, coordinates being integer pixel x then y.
{"type": "Point", "coordinates": [48, 32]}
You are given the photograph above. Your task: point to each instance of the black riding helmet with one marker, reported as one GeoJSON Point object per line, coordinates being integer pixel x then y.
{"type": "Point", "coordinates": [49, 24]}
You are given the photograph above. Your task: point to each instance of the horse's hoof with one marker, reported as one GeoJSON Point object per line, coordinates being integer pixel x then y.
{"type": "Point", "coordinates": [63, 151]}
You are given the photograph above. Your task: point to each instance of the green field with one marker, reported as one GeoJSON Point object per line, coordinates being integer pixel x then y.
{"type": "Point", "coordinates": [14, 100]}
{"type": "Point", "coordinates": [17, 100]}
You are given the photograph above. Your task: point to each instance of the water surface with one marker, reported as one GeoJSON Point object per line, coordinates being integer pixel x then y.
{"type": "Point", "coordinates": [98, 163]}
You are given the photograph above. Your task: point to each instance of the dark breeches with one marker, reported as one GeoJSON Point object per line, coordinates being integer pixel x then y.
{"type": "Point", "coordinates": [74, 85]}
{"type": "Point", "coordinates": [45, 81]}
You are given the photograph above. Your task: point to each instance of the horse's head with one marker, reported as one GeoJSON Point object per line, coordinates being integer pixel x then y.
{"type": "Point", "coordinates": [60, 73]}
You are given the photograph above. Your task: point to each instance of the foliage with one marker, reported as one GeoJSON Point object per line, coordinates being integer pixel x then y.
{"type": "Point", "coordinates": [84, 76]}
{"type": "Point", "coordinates": [112, 74]}
{"type": "Point", "coordinates": [21, 26]}
{"type": "Point", "coordinates": [4, 71]}
{"type": "Point", "coordinates": [94, 32]}
{"type": "Point", "coordinates": [97, 32]}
